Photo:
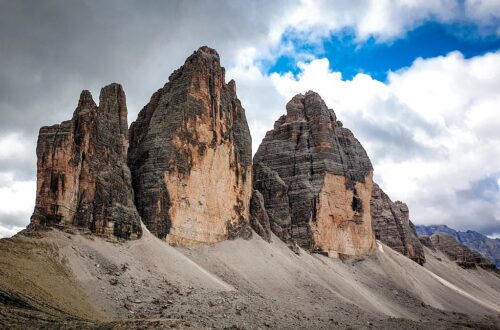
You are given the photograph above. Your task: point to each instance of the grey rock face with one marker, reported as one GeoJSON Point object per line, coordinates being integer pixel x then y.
{"type": "Point", "coordinates": [461, 254]}
{"type": "Point", "coordinates": [82, 176]}
{"type": "Point", "coordinates": [488, 247]}
{"type": "Point", "coordinates": [268, 184]}
{"type": "Point", "coordinates": [392, 226]}
{"type": "Point", "coordinates": [190, 156]}
{"type": "Point", "coordinates": [316, 180]}
{"type": "Point", "coordinates": [259, 220]}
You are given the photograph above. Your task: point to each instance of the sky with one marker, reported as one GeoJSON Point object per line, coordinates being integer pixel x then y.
{"type": "Point", "coordinates": [418, 83]}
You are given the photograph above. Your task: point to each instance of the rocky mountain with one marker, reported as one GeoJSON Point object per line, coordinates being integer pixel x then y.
{"type": "Point", "coordinates": [488, 247]}
{"type": "Point", "coordinates": [191, 156]}
{"type": "Point", "coordinates": [392, 225]}
{"type": "Point", "coordinates": [316, 180]}
{"type": "Point", "coordinates": [429, 230]}
{"type": "Point", "coordinates": [82, 175]}
{"type": "Point", "coordinates": [153, 229]}
{"type": "Point", "coordinates": [461, 254]}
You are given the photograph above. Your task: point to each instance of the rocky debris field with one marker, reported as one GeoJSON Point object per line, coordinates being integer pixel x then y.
{"type": "Point", "coordinates": [91, 282]}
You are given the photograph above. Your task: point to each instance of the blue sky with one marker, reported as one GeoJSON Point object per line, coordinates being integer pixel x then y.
{"type": "Point", "coordinates": [350, 56]}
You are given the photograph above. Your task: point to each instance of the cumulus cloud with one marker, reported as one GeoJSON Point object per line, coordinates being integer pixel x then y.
{"type": "Point", "coordinates": [430, 131]}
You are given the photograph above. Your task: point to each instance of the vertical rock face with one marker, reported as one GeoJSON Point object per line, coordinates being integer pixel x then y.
{"type": "Point", "coordinates": [82, 175]}
{"type": "Point", "coordinates": [461, 254]}
{"type": "Point", "coordinates": [392, 225]}
{"type": "Point", "coordinates": [259, 220]}
{"type": "Point", "coordinates": [316, 180]}
{"type": "Point", "coordinates": [190, 156]}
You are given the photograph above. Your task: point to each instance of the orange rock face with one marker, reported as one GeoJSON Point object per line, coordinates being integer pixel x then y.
{"type": "Point", "coordinates": [339, 228]}
{"type": "Point", "coordinates": [82, 177]}
{"type": "Point", "coordinates": [190, 156]}
{"type": "Point", "coordinates": [316, 181]}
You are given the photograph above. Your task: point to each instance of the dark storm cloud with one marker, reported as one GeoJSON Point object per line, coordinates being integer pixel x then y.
{"type": "Point", "coordinates": [51, 50]}
{"type": "Point", "coordinates": [486, 189]}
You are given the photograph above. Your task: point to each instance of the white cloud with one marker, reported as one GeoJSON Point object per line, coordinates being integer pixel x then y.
{"type": "Point", "coordinates": [484, 10]}
{"type": "Point", "coordinates": [384, 19]}
{"type": "Point", "coordinates": [431, 131]}
{"type": "Point", "coordinates": [16, 203]}
{"type": "Point", "coordinates": [15, 146]}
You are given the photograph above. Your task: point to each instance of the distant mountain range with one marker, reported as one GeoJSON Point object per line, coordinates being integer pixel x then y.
{"type": "Point", "coordinates": [488, 247]}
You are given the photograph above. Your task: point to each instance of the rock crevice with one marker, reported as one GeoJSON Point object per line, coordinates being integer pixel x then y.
{"type": "Point", "coordinates": [316, 181]}
{"type": "Point", "coordinates": [82, 176]}
{"type": "Point", "coordinates": [392, 226]}
{"type": "Point", "coordinates": [190, 156]}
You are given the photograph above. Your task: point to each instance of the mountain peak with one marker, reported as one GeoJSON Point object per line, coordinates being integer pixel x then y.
{"type": "Point", "coordinates": [86, 100]}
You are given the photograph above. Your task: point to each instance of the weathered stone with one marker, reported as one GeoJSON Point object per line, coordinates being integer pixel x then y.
{"type": "Point", "coordinates": [82, 175]}
{"type": "Point", "coordinates": [190, 156]}
{"type": "Point", "coordinates": [488, 247]}
{"type": "Point", "coordinates": [455, 251]}
{"type": "Point", "coordinates": [316, 180]}
{"type": "Point", "coordinates": [275, 194]}
{"type": "Point", "coordinates": [392, 226]}
{"type": "Point", "coordinates": [259, 220]}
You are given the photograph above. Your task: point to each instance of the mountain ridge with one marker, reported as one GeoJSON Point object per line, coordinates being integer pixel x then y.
{"type": "Point", "coordinates": [488, 247]}
{"type": "Point", "coordinates": [183, 229]}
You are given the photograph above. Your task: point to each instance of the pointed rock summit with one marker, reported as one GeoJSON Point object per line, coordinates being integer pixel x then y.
{"type": "Point", "coordinates": [392, 226]}
{"type": "Point", "coordinates": [191, 157]}
{"type": "Point", "coordinates": [316, 180]}
{"type": "Point", "coordinates": [82, 176]}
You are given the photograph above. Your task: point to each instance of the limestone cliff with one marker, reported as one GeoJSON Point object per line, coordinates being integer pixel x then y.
{"type": "Point", "coordinates": [190, 156]}
{"type": "Point", "coordinates": [82, 176]}
{"type": "Point", "coordinates": [316, 180]}
{"type": "Point", "coordinates": [392, 226]}
{"type": "Point", "coordinates": [461, 254]}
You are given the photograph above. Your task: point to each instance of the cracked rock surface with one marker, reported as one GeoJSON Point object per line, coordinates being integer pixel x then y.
{"type": "Point", "coordinates": [392, 225]}
{"type": "Point", "coordinates": [191, 156]}
{"type": "Point", "coordinates": [316, 180]}
{"type": "Point", "coordinates": [82, 175]}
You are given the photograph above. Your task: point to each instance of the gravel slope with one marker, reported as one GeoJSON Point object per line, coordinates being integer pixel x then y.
{"type": "Point", "coordinates": [75, 280]}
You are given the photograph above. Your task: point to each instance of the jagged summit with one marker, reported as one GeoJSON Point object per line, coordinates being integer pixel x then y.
{"type": "Point", "coordinates": [82, 177]}
{"type": "Point", "coordinates": [206, 52]}
{"type": "Point", "coordinates": [316, 180]}
{"type": "Point", "coordinates": [190, 156]}
{"type": "Point", "coordinates": [86, 100]}
{"type": "Point", "coordinates": [193, 182]}
{"type": "Point", "coordinates": [304, 106]}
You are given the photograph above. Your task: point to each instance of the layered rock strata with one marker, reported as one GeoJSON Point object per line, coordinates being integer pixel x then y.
{"type": "Point", "coordinates": [191, 158]}
{"type": "Point", "coordinates": [259, 220]}
{"type": "Point", "coordinates": [461, 254]}
{"type": "Point", "coordinates": [488, 247]}
{"type": "Point", "coordinates": [316, 180]}
{"type": "Point", "coordinates": [392, 226]}
{"type": "Point", "coordinates": [82, 175]}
